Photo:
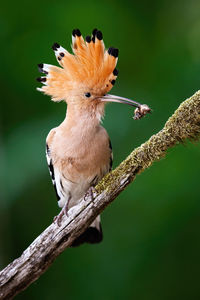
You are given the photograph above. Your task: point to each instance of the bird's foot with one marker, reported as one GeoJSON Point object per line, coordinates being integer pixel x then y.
{"type": "Point", "coordinates": [90, 193]}
{"type": "Point", "coordinates": [57, 219]}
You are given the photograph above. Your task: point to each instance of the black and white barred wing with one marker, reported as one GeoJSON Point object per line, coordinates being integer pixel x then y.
{"type": "Point", "coordinates": [61, 186]}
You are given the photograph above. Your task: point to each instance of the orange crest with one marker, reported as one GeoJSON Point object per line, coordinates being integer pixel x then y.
{"type": "Point", "coordinates": [91, 68]}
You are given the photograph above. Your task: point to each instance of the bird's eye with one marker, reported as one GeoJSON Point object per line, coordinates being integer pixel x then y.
{"type": "Point", "coordinates": [87, 95]}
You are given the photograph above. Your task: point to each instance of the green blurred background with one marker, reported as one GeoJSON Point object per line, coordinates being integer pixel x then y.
{"type": "Point", "coordinates": [151, 241]}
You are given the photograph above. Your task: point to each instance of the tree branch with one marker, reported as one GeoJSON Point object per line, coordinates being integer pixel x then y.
{"type": "Point", "coordinates": [35, 260]}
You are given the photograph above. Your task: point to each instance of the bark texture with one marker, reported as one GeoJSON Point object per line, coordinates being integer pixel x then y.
{"type": "Point", "coordinates": [19, 274]}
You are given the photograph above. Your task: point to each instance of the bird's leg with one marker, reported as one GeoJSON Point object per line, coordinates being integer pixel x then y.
{"type": "Point", "coordinates": [90, 192]}
{"type": "Point", "coordinates": [63, 212]}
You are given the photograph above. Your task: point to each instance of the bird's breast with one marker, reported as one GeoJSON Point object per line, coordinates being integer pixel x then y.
{"type": "Point", "coordinates": [83, 154]}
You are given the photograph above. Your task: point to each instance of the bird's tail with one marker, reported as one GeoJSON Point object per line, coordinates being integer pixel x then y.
{"type": "Point", "coordinates": [92, 235]}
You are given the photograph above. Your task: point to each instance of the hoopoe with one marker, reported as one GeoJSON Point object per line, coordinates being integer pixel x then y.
{"type": "Point", "coordinates": [79, 151]}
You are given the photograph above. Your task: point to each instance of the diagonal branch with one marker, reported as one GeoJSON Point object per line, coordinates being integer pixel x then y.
{"type": "Point", "coordinates": [35, 260]}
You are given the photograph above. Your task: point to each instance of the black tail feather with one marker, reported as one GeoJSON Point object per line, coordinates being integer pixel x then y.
{"type": "Point", "coordinates": [92, 236]}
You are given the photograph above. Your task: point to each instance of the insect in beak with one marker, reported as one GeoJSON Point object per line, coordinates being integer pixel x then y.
{"type": "Point", "coordinates": [140, 111]}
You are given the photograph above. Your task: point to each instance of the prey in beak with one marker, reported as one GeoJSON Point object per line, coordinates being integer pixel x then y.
{"type": "Point", "coordinates": [140, 111]}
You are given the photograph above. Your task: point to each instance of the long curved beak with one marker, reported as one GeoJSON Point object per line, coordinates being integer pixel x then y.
{"type": "Point", "coordinates": [140, 111]}
{"type": "Point", "coordinates": [117, 99]}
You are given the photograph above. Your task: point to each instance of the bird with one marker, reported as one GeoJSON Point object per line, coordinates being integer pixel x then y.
{"type": "Point", "coordinates": [79, 151]}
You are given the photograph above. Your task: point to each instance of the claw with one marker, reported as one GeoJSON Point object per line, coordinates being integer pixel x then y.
{"type": "Point", "coordinates": [57, 219]}
{"type": "Point", "coordinates": [90, 192]}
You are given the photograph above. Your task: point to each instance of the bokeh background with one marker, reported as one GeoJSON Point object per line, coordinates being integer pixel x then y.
{"type": "Point", "coordinates": [151, 241]}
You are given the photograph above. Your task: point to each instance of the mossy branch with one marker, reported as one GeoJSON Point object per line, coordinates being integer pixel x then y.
{"type": "Point", "coordinates": [183, 124]}
{"type": "Point", "coordinates": [35, 260]}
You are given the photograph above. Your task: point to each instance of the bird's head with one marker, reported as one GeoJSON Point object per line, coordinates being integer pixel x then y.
{"type": "Point", "coordinates": [85, 77]}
